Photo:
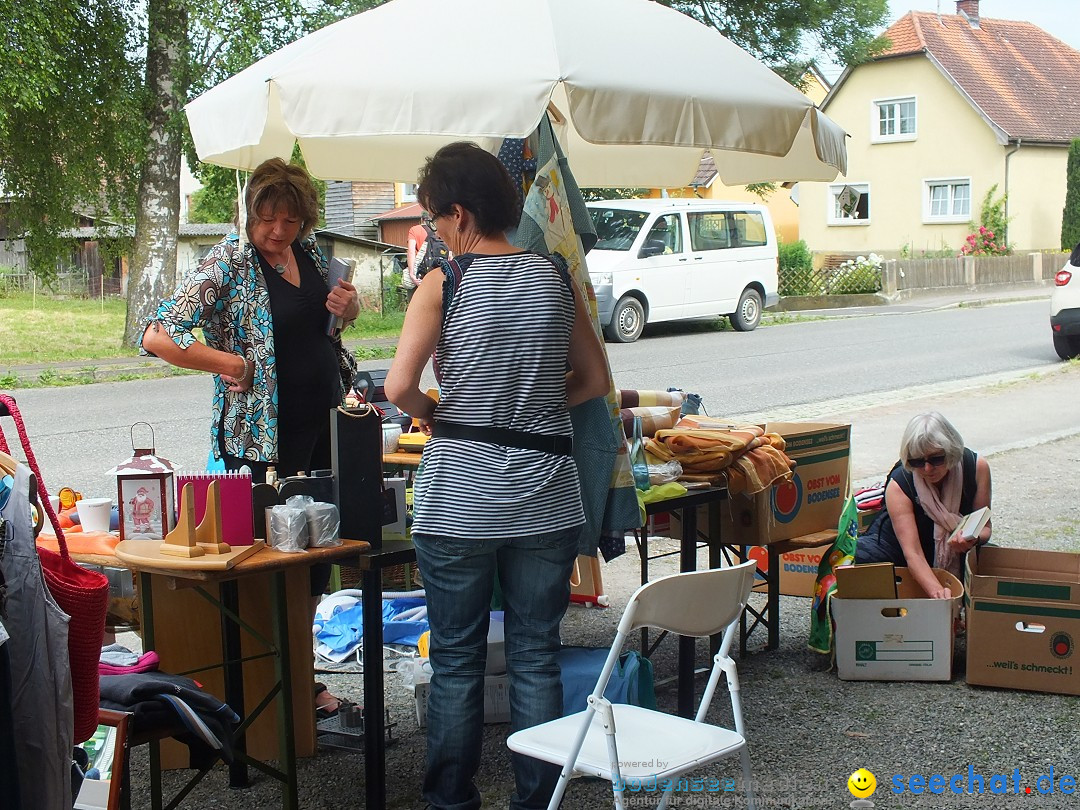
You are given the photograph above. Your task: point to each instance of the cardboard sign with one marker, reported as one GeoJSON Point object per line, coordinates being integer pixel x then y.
{"type": "Point", "coordinates": [1024, 619]}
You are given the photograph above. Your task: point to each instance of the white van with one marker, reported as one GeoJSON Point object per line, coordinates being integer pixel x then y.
{"type": "Point", "coordinates": [668, 259]}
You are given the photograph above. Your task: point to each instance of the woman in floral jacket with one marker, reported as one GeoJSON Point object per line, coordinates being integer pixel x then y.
{"type": "Point", "coordinates": [263, 307]}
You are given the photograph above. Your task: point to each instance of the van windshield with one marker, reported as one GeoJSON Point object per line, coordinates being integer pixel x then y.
{"type": "Point", "coordinates": [616, 229]}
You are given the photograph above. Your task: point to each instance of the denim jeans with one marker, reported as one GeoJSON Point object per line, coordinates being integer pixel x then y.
{"type": "Point", "coordinates": [534, 573]}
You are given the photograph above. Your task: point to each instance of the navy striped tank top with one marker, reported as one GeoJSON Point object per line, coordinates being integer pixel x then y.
{"type": "Point", "coordinates": [502, 362]}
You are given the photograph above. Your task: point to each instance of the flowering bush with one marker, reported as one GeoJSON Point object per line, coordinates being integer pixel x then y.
{"type": "Point", "coordinates": [983, 243]}
{"type": "Point", "coordinates": [859, 275]}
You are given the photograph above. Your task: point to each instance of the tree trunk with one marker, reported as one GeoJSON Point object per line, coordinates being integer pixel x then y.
{"type": "Point", "coordinates": [157, 218]}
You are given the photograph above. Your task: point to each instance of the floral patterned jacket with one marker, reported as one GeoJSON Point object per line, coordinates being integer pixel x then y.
{"type": "Point", "coordinates": [226, 297]}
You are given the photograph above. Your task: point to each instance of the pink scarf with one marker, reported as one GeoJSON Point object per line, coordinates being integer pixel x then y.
{"type": "Point", "coordinates": [942, 505]}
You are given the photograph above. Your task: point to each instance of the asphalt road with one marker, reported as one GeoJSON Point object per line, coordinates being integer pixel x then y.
{"type": "Point", "coordinates": [804, 362]}
{"type": "Point", "coordinates": [79, 433]}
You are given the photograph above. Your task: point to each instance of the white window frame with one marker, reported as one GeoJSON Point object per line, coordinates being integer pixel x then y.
{"type": "Point", "coordinates": [875, 120]}
{"type": "Point", "coordinates": [830, 205]}
{"type": "Point", "coordinates": [407, 193]}
{"type": "Point", "coordinates": [928, 216]}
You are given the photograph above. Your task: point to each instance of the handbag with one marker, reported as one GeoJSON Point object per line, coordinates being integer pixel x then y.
{"type": "Point", "coordinates": [83, 595]}
{"type": "Point", "coordinates": [631, 680]}
{"type": "Point", "coordinates": [638, 463]}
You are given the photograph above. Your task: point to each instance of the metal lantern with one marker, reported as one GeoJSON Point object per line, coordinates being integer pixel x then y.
{"type": "Point", "coordinates": [145, 493]}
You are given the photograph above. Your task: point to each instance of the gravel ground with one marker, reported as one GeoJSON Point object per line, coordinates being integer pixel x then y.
{"type": "Point", "coordinates": [807, 730]}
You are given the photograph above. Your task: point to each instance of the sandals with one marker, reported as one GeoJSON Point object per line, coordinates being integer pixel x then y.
{"type": "Point", "coordinates": [330, 705]}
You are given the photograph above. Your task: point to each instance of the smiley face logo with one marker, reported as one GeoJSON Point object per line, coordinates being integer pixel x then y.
{"type": "Point", "coordinates": [862, 784]}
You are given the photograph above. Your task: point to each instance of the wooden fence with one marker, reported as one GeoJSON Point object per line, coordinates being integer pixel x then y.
{"type": "Point", "coordinates": [902, 275]}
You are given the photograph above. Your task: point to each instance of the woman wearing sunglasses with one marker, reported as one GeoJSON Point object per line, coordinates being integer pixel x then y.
{"type": "Point", "coordinates": [934, 484]}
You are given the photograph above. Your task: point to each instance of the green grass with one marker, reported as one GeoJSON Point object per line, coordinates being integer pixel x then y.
{"type": "Point", "coordinates": [54, 330]}
{"type": "Point", "coordinates": [44, 330]}
{"type": "Point", "coordinates": [370, 324]}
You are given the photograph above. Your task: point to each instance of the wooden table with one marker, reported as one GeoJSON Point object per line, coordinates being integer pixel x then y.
{"type": "Point", "coordinates": [245, 630]}
{"type": "Point", "coordinates": [402, 459]}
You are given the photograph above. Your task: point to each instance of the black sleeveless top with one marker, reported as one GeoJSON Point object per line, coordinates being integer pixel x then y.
{"type": "Point", "coordinates": [879, 542]}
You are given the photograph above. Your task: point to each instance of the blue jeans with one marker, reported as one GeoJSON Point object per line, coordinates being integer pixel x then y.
{"type": "Point", "coordinates": [534, 573]}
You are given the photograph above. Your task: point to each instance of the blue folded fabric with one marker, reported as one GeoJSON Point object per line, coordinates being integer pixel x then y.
{"type": "Point", "coordinates": [344, 631]}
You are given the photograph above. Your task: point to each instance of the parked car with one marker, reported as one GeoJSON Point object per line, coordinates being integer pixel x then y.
{"type": "Point", "coordinates": [668, 259]}
{"type": "Point", "coordinates": [1065, 308]}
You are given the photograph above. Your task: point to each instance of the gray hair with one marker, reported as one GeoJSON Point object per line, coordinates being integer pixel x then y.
{"type": "Point", "coordinates": [931, 431]}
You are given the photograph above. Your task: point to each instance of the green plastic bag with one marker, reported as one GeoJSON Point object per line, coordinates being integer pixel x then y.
{"type": "Point", "coordinates": [842, 552]}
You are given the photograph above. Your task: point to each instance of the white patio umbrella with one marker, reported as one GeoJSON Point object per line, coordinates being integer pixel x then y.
{"type": "Point", "coordinates": [636, 90]}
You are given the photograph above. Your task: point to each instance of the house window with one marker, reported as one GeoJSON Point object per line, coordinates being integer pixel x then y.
{"type": "Point", "coordinates": [894, 120]}
{"type": "Point", "coordinates": [408, 193]}
{"type": "Point", "coordinates": [849, 204]}
{"type": "Point", "coordinates": [947, 200]}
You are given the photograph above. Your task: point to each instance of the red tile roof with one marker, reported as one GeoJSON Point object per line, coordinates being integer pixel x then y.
{"type": "Point", "coordinates": [1024, 80]}
{"type": "Point", "coordinates": [410, 211]}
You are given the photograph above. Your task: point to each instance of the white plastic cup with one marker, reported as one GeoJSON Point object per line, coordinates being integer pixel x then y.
{"type": "Point", "coordinates": [94, 514]}
{"type": "Point", "coordinates": [54, 500]}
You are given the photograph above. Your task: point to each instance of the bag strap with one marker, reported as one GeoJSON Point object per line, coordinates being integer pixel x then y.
{"type": "Point", "coordinates": [43, 494]}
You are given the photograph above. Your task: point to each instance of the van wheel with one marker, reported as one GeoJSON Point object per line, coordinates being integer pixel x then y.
{"type": "Point", "coordinates": [627, 321]}
{"type": "Point", "coordinates": [1067, 346]}
{"type": "Point", "coordinates": [748, 315]}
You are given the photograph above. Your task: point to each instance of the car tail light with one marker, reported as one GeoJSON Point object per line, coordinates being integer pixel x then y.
{"type": "Point", "coordinates": [1062, 278]}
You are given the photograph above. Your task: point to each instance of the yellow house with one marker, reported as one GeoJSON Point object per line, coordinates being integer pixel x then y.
{"type": "Point", "coordinates": [956, 105]}
{"type": "Point", "coordinates": [784, 211]}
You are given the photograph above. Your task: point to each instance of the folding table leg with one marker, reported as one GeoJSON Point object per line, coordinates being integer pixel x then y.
{"type": "Point", "coordinates": [287, 740]}
{"type": "Point", "coordinates": [233, 672]}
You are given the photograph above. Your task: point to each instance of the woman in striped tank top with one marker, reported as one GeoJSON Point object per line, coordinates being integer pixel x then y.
{"type": "Point", "coordinates": [497, 489]}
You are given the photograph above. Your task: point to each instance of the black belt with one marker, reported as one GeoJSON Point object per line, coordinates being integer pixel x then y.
{"type": "Point", "coordinates": [556, 445]}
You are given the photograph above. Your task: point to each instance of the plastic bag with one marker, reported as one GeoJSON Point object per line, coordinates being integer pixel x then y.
{"type": "Point", "coordinates": [842, 552]}
{"type": "Point", "coordinates": [323, 523]}
{"type": "Point", "coordinates": [637, 458]}
{"type": "Point", "coordinates": [665, 473]}
{"type": "Point", "coordinates": [286, 527]}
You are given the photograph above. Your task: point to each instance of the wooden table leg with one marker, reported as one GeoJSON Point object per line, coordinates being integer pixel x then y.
{"type": "Point", "coordinates": [233, 672]}
{"type": "Point", "coordinates": [283, 670]}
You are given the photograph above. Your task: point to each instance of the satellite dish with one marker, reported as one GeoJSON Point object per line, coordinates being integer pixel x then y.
{"type": "Point", "coordinates": [848, 201]}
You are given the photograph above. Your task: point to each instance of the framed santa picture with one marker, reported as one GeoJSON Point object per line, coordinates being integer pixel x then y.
{"type": "Point", "coordinates": [145, 493]}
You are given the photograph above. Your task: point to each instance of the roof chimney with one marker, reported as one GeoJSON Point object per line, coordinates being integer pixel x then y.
{"type": "Point", "coordinates": [969, 10]}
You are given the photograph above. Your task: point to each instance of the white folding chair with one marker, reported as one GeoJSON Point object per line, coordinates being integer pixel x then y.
{"type": "Point", "coordinates": [629, 745]}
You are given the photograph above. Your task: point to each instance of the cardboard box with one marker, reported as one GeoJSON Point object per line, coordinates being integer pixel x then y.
{"type": "Point", "coordinates": [905, 639]}
{"type": "Point", "coordinates": [798, 569]}
{"type": "Point", "coordinates": [1023, 619]}
{"type": "Point", "coordinates": [496, 698]}
{"type": "Point", "coordinates": [812, 500]}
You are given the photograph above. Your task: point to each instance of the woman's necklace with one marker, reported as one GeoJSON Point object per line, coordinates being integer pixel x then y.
{"type": "Point", "coordinates": [282, 269]}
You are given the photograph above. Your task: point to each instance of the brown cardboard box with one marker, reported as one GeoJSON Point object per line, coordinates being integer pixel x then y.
{"type": "Point", "coordinates": [1023, 619]}
{"type": "Point", "coordinates": [798, 569]}
{"type": "Point", "coordinates": [812, 500]}
{"type": "Point", "coordinates": [871, 581]}
{"type": "Point", "coordinates": [909, 638]}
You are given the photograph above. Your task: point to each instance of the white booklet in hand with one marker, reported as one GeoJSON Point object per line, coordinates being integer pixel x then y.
{"type": "Point", "coordinates": [970, 525]}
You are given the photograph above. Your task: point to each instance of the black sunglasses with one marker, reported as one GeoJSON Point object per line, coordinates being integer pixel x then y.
{"type": "Point", "coordinates": [933, 461]}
